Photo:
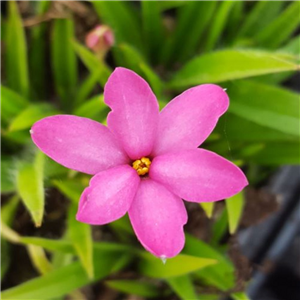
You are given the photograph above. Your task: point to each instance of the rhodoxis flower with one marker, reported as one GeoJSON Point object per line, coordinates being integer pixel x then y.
{"type": "Point", "coordinates": [145, 161]}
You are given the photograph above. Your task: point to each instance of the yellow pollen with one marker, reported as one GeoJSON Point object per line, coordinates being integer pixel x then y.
{"type": "Point", "coordinates": [142, 165]}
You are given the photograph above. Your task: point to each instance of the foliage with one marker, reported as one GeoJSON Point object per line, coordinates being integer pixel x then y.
{"type": "Point", "coordinates": [245, 47]}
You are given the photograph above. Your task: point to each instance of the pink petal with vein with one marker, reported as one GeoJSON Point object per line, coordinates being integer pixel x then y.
{"type": "Point", "coordinates": [78, 143]}
{"type": "Point", "coordinates": [198, 175]}
{"type": "Point", "coordinates": [134, 114]}
{"type": "Point", "coordinates": [157, 217]}
{"type": "Point", "coordinates": [109, 195]}
{"type": "Point", "coordinates": [189, 118]}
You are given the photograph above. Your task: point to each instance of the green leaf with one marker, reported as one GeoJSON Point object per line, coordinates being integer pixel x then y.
{"type": "Point", "coordinates": [11, 104]}
{"type": "Point", "coordinates": [86, 88]}
{"type": "Point", "coordinates": [165, 5]}
{"type": "Point", "coordinates": [131, 287]}
{"type": "Point", "coordinates": [220, 275]}
{"type": "Point", "coordinates": [278, 31]}
{"type": "Point", "coordinates": [31, 188]}
{"type": "Point", "coordinates": [5, 257]}
{"type": "Point", "coordinates": [39, 259]}
{"type": "Point", "coordinates": [235, 205]}
{"type": "Point", "coordinates": [49, 244]}
{"type": "Point", "coordinates": [292, 47]}
{"type": "Point", "coordinates": [208, 208]}
{"type": "Point", "coordinates": [180, 265]}
{"type": "Point", "coordinates": [237, 17]}
{"type": "Point", "coordinates": [259, 17]}
{"type": "Point", "coordinates": [278, 153]}
{"type": "Point", "coordinates": [183, 287]}
{"type": "Point", "coordinates": [64, 62]}
{"type": "Point", "coordinates": [210, 296]}
{"type": "Point", "coordinates": [123, 20]}
{"type": "Point", "coordinates": [129, 57]}
{"type": "Point", "coordinates": [72, 189]}
{"type": "Point", "coordinates": [81, 236]}
{"type": "Point", "coordinates": [234, 128]}
{"type": "Point", "coordinates": [255, 102]}
{"type": "Point", "coordinates": [30, 115]}
{"type": "Point", "coordinates": [229, 65]}
{"type": "Point", "coordinates": [219, 228]}
{"type": "Point", "coordinates": [54, 170]}
{"type": "Point", "coordinates": [16, 52]}
{"type": "Point", "coordinates": [122, 227]}
{"type": "Point", "coordinates": [218, 24]}
{"type": "Point", "coordinates": [181, 44]}
{"type": "Point", "coordinates": [96, 66]}
{"type": "Point", "coordinates": [152, 78]}
{"type": "Point", "coordinates": [94, 108]}
{"type": "Point", "coordinates": [37, 52]}
{"type": "Point", "coordinates": [132, 59]}
{"type": "Point", "coordinates": [66, 279]}
{"type": "Point", "coordinates": [8, 211]}
{"type": "Point", "coordinates": [152, 28]}
{"type": "Point", "coordinates": [239, 296]}
{"type": "Point", "coordinates": [7, 174]}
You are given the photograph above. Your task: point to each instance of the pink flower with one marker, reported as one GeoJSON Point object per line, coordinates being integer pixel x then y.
{"type": "Point", "coordinates": [100, 39]}
{"type": "Point", "coordinates": [145, 162]}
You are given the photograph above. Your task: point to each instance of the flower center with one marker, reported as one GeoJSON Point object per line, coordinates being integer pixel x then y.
{"type": "Point", "coordinates": [142, 165]}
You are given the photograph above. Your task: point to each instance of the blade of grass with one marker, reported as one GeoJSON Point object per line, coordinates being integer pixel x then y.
{"type": "Point", "coordinates": [262, 13]}
{"type": "Point", "coordinates": [8, 211]}
{"type": "Point", "coordinates": [134, 60]}
{"type": "Point", "coordinates": [93, 64]}
{"type": "Point", "coordinates": [217, 27]}
{"type": "Point", "coordinates": [81, 236]}
{"type": "Point", "coordinates": [132, 287]}
{"type": "Point", "coordinates": [39, 259]}
{"type": "Point", "coordinates": [37, 53]}
{"type": "Point", "coordinates": [123, 19]}
{"type": "Point", "coordinates": [30, 115]}
{"type": "Point", "coordinates": [11, 104]}
{"type": "Point", "coordinates": [64, 63]}
{"type": "Point", "coordinates": [166, 5]}
{"type": "Point", "coordinates": [181, 44]}
{"type": "Point", "coordinates": [281, 28]}
{"type": "Point", "coordinates": [237, 16]}
{"type": "Point", "coordinates": [66, 279]}
{"type": "Point", "coordinates": [221, 274]}
{"type": "Point", "coordinates": [16, 52]}
{"type": "Point", "coordinates": [49, 244]}
{"type": "Point", "coordinates": [86, 88]}
{"type": "Point", "coordinates": [94, 108]}
{"type": "Point", "coordinates": [152, 28]}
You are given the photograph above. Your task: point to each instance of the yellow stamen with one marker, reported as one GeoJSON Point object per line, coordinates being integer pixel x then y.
{"type": "Point", "coordinates": [142, 165]}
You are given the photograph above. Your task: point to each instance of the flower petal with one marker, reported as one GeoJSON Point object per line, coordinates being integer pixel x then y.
{"type": "Point", "coordinates": [157, 217]}
{"type": "Point", "coordinates": [189, 118]}
{"type": "Point", "coordinates": [109, 195]}
{"type": "Point", "coordinates": [134, 114]}
{"type": "Point", "coordinates": [78, 143]}
{"type": "Point", "coordinates": [198, 175]}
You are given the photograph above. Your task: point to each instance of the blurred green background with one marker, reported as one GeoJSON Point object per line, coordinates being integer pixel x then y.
{"type": "Point", "coordinates": [249, 48]}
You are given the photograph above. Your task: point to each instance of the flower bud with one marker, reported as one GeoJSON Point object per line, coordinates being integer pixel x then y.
{"type": "Point", "coordinates": [100, 39]}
